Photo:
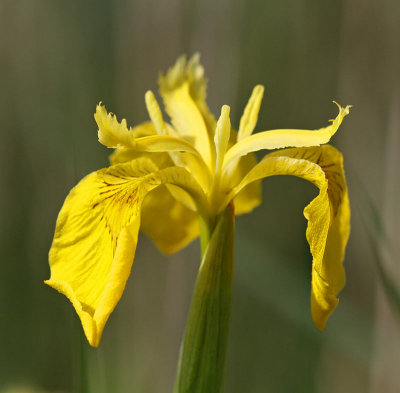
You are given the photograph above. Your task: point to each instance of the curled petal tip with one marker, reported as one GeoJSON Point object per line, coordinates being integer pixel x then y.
{"type": "Point", "coordinates": [343, 112]}
{"type": "Point", "coordinates": [323, 300]}
{"type": "Point", "coordinates": [345, 109]}
{"type": "Point", "coordinates": [92, 331]}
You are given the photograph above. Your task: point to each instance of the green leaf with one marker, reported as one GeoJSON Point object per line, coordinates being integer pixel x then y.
{"type": "Point", "coordinates": [201, 365]}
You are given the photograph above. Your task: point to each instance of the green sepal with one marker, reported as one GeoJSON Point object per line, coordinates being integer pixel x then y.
{"type": "Point", "coordinates": [201, 365]}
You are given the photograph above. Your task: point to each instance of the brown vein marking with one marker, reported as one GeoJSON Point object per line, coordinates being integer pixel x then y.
{"type": "Point", "coordinates": [330, 165]}
{"type": "Point", "coordinates": [335, 190]}
{"type": "Point", "coordinates": [335, 187]}
{"type": "Point", "coordinates": [117, 196]}
{"type": "Point", "coordinates": [318, 160]}
{"type": "Point", "coordinates": [97, 203]}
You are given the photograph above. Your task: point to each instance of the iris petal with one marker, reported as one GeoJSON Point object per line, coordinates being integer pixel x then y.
{"type": "Point", "coordinates": [277, 139]}
{"type": "Point", "coordinates": [112, 133]}
{"type": "Point", "coordinates": [96, 236]}
{"type": "Point", "coordinates": [250, 115]}
{"type": "Point", "coordinates": [328, 217]}
{"type": "Point", "coordinates": [183, 90]}
{"type": "Point", "coordinates": [169, 223]}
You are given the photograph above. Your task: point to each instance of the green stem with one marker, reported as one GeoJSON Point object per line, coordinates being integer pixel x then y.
{"type": "Point", "coordinates": [206, 229]}
{"type": "Point", "coordinates": [201, 365]}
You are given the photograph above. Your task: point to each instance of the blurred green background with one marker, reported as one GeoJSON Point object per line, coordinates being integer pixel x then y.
{"type": "Point", "coordinates": [58, 59]}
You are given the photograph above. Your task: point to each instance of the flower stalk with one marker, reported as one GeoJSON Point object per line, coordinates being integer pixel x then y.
{"type": "Point", "coordinates": [201, 365]}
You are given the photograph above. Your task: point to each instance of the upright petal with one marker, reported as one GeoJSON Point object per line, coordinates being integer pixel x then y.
{"type": "Point", "coordinates": [155, 114]}
{"type": "Point", "coordinates": [96, 236]}
{"type": "Point", "coordinates": [183, 90]}
{"type": "Point", "coordinates": [328, 217]}
{"type": "Point", "coordinates": [192, 72]}
{"type": "Point", "coordinates": [221, 138]}
{"type": "Point", "coordinates": [182, 152]}
{"type": "Point", "coordinates": [250, 115]}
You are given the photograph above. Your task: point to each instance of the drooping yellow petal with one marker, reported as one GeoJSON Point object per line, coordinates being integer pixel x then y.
{"type": "Point", "coordinates": [183, 90]}
{"type": "Point", "coordinates": [96, 235]}
{"type": "Point", "coordinates": [163, 160]}
{"type": "Point", "coordinates": [250, 115]}
{"type": "Point", "coordinates": [328, 217]}
{"type": "Point", "coordinates": [249, 197]}
{"type": "Point", "coordinates": [111, 133]}
{"type": "Point", "coordinates": [95, 242]}
{"type": "Point", "coordinates": [329, 275]}
{"type": "Point", "coordinates": [169, 223]}
{"type": "Point", "coordinates": [277, 139]}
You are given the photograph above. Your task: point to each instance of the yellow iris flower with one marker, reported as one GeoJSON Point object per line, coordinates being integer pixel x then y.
{"type": "Point", "coordinates": [163, 177]}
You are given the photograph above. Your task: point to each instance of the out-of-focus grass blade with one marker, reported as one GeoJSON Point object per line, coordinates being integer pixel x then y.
{"type": "Point", "coordinates": [80, 377]}
{"type": "Point", "coordinates": [380, 245]}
